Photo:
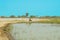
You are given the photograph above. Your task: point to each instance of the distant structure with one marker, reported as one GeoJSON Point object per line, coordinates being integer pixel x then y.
{"type": "Point", "coordinates": [27, 14]}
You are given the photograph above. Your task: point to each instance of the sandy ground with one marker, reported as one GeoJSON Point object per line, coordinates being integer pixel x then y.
{"type": "Point", "coordinates": [5, 21]}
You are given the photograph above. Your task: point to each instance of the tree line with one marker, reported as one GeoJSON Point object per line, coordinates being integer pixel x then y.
{"type": "Point", "coordinates": [23, 16]}
{"type": "Point", "coordinates": [27, 15]}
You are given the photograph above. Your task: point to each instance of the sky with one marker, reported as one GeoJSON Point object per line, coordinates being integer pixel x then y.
{"type": "Point", "coordinates": [33, 7]}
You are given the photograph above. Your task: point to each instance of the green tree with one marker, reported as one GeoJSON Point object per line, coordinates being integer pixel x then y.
{"type": "Point", "coordinates": [23, 16]}
{"type": "Point", "coordinates": [32, 16]}
{"type": "Point", "coordinates": [2, 16]}
{"type": "Point", "coordinates": [12, 16]}
{"type": "Point", "coordinates": [18, 16]}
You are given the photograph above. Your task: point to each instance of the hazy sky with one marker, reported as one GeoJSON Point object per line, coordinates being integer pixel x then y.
{"type": "Point", "coordinates": [33, 7]}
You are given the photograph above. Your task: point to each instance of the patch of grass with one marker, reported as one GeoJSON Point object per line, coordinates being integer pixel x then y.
{"type": "Point", "coordinates": [51, 21]}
